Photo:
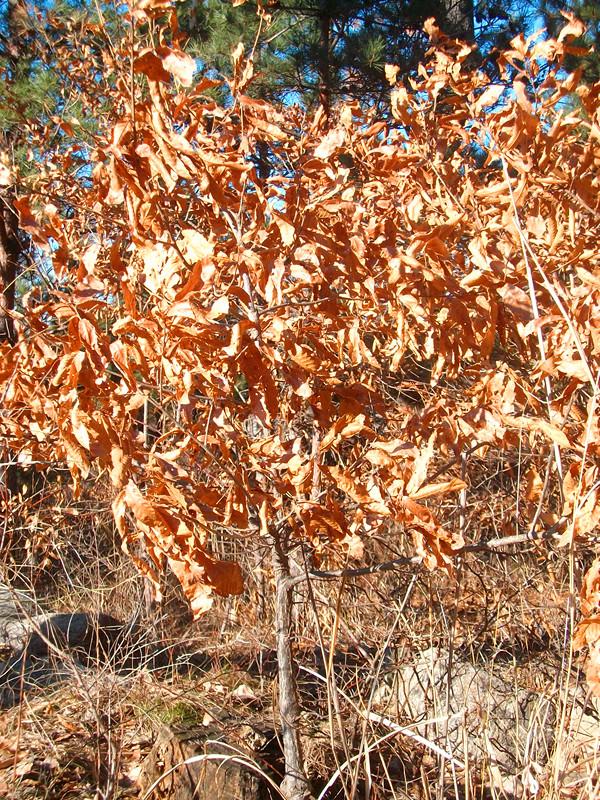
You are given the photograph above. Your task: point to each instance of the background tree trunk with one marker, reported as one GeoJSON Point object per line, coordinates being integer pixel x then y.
{"type": "Point", "coordinates": [10, 249]}
{"type": "Point", "coordinates": [324, 61]}
{"type": "Point", "coordinates": [10, 244]}
{"type": "Point", "coordinates": [460, 21]}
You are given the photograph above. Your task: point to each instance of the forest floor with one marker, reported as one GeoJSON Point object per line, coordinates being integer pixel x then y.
{"type": "Point", "coordinates": [440, 686]}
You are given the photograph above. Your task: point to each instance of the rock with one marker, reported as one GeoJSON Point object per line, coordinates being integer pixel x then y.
{"type": "Point", "coordinates": [199, 764]}
{"type": "Point", "coordinates": [91, 637]}
{"type": "Point", "coordinates": [47, 647]}
{"type": "Point", "coordinates": [491, 719]}
{"type": "Point", "coordinates": [578, 748]}
{"type": "Point", "coordinates": [16, 608]}
{"type": "Point", "coordinates": [51, 641]}
{"type": "Point", "coordinates": [14, 603]}
{"type": "Point", "coordinates": [14, 633]}
{"type": "Point", "coordinates": [17, 677]}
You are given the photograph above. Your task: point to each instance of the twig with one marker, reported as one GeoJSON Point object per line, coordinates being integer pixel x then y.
{"type": "Point", "coordinates": [386, 566]}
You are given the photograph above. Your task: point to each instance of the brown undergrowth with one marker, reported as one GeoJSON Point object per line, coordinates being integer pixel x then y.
{"type": "Point", "coordinates": [506, 611]}
{"type": "Point", "coordinates": [347, 403]}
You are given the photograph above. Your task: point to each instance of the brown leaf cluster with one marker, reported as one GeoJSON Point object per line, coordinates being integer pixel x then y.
{"type": "Point", "coordinates": [240, 293]}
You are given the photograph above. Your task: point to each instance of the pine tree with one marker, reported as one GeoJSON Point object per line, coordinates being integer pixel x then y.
{"type": "Point", "coordinates": [588, 60]}
{"type": "Point", "coordinates": [33, 92]}
{"type": "Point", "coordinates": [316, 51]}
{"type": "Point", "coordinates": [32, 98]}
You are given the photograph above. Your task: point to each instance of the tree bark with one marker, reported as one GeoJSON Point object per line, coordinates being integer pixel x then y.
{"type": "Point", "coordinates": [9, 255]}
{"type": "Point", "coordinates": [324, 59]}
{"type": "Point", "coordinates": [10, 245]}
{"type": "Point", "coordinates": [459, 21]}
{"type": "Point", "coordinates": [10, 248]}
{"type": "Point", "coordinates": [295, 783]}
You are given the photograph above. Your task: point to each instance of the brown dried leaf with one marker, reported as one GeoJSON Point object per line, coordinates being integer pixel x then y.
{"type": "Point", "coordinates": [119, 469]}
{"type": "Point", "coordinates": [574, 28]}
{"type": "Point", "coordinates": [179, 64]}
{"type": "Point", "coordinates": [520, 90]}
{"type": "Point", "coordinates": [391, 72]}
{"type": "Point", "coordinates": [331, 142]}
{"type": "Point", "coordinates": [344, 427]}
{"type": "Point", "coordinates": [533, 485]}
{"type": "Point", "coordinates": [151, 65]}
{"type": "Point", "coordinates": [286, 229]}
{"type": "Point", "coordinates": [6, 177]}
{"type": "Point", "coordinates": [489, 97]}
{"type": "Point", "coordinates": [436, 489]}
{"type": "Point", "coordinates": [202, 577]}
{"type": "Point", "coordinates": [538, 425]}
{"type": "Point", "coordinates": [347, 484]}
{"type": "Point", "coordinates": [590, 589]}
{"type": "Point", "coordinates": [143, 9]}
{"type": "Point", "coordinates": [145, 512]}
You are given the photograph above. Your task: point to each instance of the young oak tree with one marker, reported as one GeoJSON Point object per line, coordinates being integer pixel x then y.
{"type": "Point", "coordinates": [265, 323]}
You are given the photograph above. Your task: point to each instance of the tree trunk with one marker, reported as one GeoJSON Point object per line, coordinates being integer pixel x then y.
{"type": "Point", "coordinates": [295, 783]}
{"type": "Point", "coordinates": [10, 249]}
{"type": "Point", "coordinates": [10, 246]}
{"type": "Point", "coordinates": [9, 254]}
{"type": "Point", "coordinates": [324, 60]}
{"type": "Point", "coordinates": [459, 21]}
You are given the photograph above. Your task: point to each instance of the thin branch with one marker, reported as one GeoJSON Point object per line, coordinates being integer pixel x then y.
{"type": "Point", "coordinates": [492, 546]}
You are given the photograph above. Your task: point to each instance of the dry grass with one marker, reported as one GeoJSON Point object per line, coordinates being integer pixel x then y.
{"type": "Point", "coordinates": [507, 612]}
